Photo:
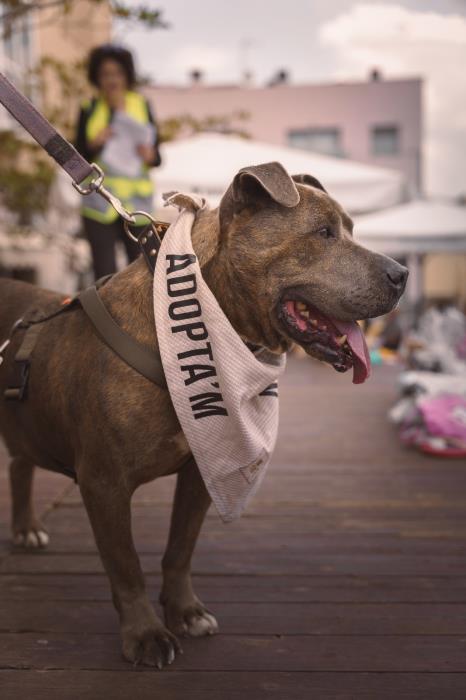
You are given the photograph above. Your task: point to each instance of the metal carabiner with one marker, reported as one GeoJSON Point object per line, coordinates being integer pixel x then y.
{"type": "Point", "coordinates": [96, 185]}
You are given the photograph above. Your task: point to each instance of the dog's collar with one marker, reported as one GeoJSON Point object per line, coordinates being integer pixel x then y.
{"type": "Point", "coordinates": [149, 242]}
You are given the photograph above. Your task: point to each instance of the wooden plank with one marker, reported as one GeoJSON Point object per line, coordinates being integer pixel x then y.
{"type": "Point", "coordinates": [299, 489]}
{"type": "Point", "coordinates": [147, 684]}
{"type": "Point", "coordinates": [426, 519]}
{"type": "Point", "coordinates": [151, 540]}
{"type": "Point", "coordinates": [432, 654]}
{"type": "Point", "coordinates": [225, 588]}
{"type": "Point", "coordinates": [249, 563]}
{"type": "Point", "coordinates": [258, 618]}
{"type": "Point", "coordinates": [403, 521]}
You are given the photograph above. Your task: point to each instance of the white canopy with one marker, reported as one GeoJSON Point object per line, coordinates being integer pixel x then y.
{"type": "Point", "coordinates": [420, 226]}
{"type": "Point", "coordinates": [206, 164]}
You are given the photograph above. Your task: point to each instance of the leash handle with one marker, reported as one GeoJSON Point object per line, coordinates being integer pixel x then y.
{"type": "Point", "coordinates": [43, 132]}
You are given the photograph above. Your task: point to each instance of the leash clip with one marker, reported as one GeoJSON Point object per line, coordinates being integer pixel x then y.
{"type": "Point", "coordinates": [96, 185]}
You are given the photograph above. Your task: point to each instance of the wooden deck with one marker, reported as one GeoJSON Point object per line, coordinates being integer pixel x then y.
{"type": "Point", "coordinates": [346, 578]}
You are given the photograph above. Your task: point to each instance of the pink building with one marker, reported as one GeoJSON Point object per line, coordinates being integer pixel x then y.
{"type": "Point", "coordinates": [378, 122]}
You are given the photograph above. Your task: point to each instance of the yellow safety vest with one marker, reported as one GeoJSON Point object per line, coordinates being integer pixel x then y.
{"type": "Point", "coordinates": [135, 193]}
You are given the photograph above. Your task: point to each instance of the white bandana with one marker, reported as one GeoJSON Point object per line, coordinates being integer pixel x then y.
{"type": "Point", "coordinates": [225, 398]}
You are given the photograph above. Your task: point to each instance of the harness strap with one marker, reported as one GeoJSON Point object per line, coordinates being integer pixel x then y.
{"type": "Point", "coordinates": [17, 386]}
{"type": "Point", "coordinates": [139, 357]}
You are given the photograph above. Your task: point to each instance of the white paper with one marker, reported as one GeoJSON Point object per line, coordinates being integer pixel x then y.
{"type": "Point", "coordinates": [119, 155]}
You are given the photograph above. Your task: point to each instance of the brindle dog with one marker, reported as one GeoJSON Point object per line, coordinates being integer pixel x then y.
{"type": "Point", "coordinates": [272, 239]}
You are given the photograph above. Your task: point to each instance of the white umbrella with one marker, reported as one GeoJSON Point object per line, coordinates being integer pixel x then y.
{"type": "Point", "coordinates": [412, 230]}
{"type": "Point", "coordinates": [206, 164]}
{"type": "Point", "coordinates": [420, 226]}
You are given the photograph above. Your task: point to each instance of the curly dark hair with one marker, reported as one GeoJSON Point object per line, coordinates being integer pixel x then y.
{"type": "Point", "coordinates": [115, 53]}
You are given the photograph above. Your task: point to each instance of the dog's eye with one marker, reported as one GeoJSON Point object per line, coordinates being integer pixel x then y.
{"type": "Point", "coordinates": [325, 233]}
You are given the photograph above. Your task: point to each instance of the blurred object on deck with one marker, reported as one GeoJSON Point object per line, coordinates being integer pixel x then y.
{"type": "Point", "coordinates": [431, 414]}
{"type": "Point", "coordinates": [435, 345]}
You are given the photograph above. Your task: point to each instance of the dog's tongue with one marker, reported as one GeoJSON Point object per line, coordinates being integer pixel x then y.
{"type": "Point", "coordinates": [358, 345]}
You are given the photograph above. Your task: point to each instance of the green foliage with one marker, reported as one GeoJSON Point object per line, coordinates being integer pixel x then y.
{"type": "Point", "coordinates": [69, 79]}
{"type": "Point", "coordinates": [25, 177]}
{"type": "Point", "coordinates": [186, 125]}
{"type": "Point", "coordinates": [141, 13]}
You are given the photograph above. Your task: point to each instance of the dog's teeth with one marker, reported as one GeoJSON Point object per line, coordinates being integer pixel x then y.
{"type": "Point", "coordinates": [301, 306]}
{"type": "Point", "coordinates": [313, 322]}
{"type": "Point", "coordinates": [323, 328]}
{"type": "Point", "coordinates": [305, 313]}
{"type": "Point", "coordinates": [342, 340]}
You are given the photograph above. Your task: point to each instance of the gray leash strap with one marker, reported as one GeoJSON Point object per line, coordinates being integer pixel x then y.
{"type": "Point", "coordinates": [43, 132]}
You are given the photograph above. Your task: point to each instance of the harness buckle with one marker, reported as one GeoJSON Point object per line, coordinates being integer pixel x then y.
{"type": "Point", "coordinates": [18, 381]}
{"type": "Point", "coordinates": [17, 389]}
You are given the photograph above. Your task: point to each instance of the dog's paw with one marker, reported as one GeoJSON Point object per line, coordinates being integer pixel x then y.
{"type": "Point", "coordinates": [32, 538]}
{"type": "Point", "coordinates": [194, 621]}
{"type": "Point", "coordinates": [201, 625]}
{"type": "Point", "coordinates": [155, 647]}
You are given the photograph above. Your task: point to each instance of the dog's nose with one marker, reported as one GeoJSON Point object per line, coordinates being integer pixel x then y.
{"type": "Point", "coordinates": [397, 275]}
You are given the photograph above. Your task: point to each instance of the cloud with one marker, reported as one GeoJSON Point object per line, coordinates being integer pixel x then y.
{"type": "Point", "coordinates": [406, 42]}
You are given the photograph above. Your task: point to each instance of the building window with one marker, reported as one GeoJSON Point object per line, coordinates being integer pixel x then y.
{"type": "Point", "coordinates": [385, 140]}
{"type": "Point", "coordinates": [319, 140]}
{"type": "Point", "coordinates": [15, 48]}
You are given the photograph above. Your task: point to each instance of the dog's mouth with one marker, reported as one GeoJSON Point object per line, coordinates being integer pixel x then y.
{"type": "Point", "coordinates": [340, 343]}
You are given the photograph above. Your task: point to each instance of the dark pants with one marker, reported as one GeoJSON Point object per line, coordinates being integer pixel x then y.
{"type": "Point", "coordinates": [102, 239]}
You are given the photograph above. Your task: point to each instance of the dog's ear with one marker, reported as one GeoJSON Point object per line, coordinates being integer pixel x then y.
{"type": "Point", "coordinates": [305, 179]}
{"type": "Point", "coordinates": [254, 187]}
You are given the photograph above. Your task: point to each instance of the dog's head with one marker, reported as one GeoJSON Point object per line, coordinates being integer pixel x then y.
{"type": "Point", "coordinates": [295, 274]}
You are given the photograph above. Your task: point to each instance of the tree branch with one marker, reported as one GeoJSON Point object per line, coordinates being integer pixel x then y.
{"type": "Point", "coordinates": [18, 8]}
{"type": "Point", "coordinates": [141, 13]}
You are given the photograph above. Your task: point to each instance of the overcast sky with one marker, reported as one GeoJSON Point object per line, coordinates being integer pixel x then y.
{"type": "Point", "coordinates": [320, 41]}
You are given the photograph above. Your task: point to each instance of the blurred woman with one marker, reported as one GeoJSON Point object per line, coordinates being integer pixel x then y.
{"type": "Point", "coordinates": [117, 131]}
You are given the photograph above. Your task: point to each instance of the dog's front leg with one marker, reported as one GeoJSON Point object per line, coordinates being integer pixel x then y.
{"type": "Point", "coordinates": [184, 612]}
{"type": "Point", "coordinates": [145, 640]}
